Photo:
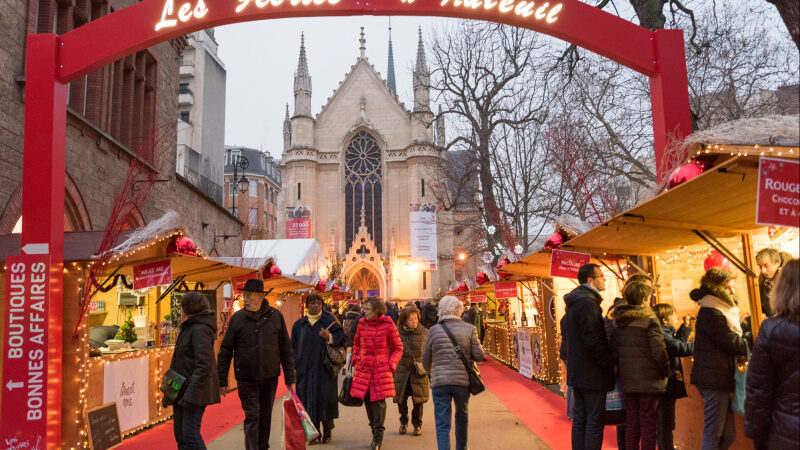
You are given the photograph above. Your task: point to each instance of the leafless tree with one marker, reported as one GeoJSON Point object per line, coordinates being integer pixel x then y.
{"type": "Point", "coordinates": [486, 77]}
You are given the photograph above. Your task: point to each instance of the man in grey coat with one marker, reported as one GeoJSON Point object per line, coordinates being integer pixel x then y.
{"type": "Point", "coordinates": [449, 379]}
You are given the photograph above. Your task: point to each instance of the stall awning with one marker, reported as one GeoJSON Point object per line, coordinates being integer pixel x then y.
{"type": "Point", "coordinates": [534, 265]}
{"type": "Point", "coordinates": [721, 201]}
{"type": "Point", "coordinates": [195, 269]}
{"type": "Point", "coordinates": [283, 283]}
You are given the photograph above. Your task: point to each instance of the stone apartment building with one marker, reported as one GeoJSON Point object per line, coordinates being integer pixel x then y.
{"type": "Point", "coordinates": [253, 194]}
{"type": "Point", "coordinates": [201, 113]}
{"type": "Point", "coordinates": [113, 113]}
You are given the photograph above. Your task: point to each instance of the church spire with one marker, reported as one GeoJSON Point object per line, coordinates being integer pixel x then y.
{"type": "Point", "coordinates": [302, 83]}
{"type": "Point", "coordinates": [390, 72]}
{"type": "Point", "coordinates": [422, 79]}
{"type": "Point", "coordinates": [287, 130]}
{"type": "Point", "coordinates": [363, 42]}
{"type": "Point", "coordinates": [440, 136]}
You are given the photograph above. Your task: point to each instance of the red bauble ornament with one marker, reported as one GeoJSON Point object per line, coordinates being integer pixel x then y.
{"type": "Point", "coordinates": [554, 240]}
{"type": "Point", "coordinates": [272, 271]}
{"type": "Point", "coordinates": [685, 172]}
{"type": "Point", "coordinates": [502, 275]}
{"type": "Point", "coordinates": [482, 278]}
{"type": "Point", "coordinates": [715, 259]}
{"type": "Point", "coordinates": [335, 287]}
{"type": "Point", "coordinates": [321, 286]}
{"type": "Point", "coordinates": [182, 245]}
{"type": "Point", "coordinates": [462, 287]}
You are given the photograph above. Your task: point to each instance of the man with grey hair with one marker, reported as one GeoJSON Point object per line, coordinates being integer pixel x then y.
{"type": "Point", "coordinates": [449, 379]}
{"type": "Point", "coordinates": [770, 262]}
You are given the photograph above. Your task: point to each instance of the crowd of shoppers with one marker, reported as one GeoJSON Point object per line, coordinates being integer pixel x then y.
{"type": "Point", "coordinates": [636, 349]}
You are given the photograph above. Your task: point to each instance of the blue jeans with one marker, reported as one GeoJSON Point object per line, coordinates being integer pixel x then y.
{"type": "Point", "coordinates": [719, 429]}
{"type": "Point", "coordinates": [187, 427]}
{"type": "Point", "coordinates": [443, 398]}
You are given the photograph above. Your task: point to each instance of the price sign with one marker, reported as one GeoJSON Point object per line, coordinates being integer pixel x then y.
{"type": "Point", "coordinates": [157, 273]}
{"type": "Point", "coordinates": [505, 290]}
{"type": "Point", "coordinates": [778, 192]}
{"type": "Point", "coordinates": [566, 264]}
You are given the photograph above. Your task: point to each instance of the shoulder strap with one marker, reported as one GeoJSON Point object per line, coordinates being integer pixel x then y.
{"type": "Point", "coordinates": [457, 347]}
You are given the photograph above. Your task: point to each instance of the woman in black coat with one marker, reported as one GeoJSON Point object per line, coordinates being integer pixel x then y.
{"type": "Point", "coordinates": [718, 342]}
{"type": "Point", "coordinates": [407, 383]}
{"type": "Point", "coordinates": [772, 405]}
{"type": "Point", "coordinates": [194, 359]}
{"type": "Point", "coordinates": [316, 386]}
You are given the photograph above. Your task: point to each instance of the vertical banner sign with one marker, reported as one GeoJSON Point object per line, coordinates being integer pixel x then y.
{"type": "Point", "coordinates": [24, 389]}
{"type": "Point", "coordinates": [566, 264]}
{"type": "Point", "coordinates": [423, 234]}
{"type": "Point", "coordinates": [156, 273]}
{"type": "Point", "coordinates": [778, 192]}
{"type": "Point", "coordinates": [477, 297]}
{"type": "Point", "coordinates": [298, 222]}
{"type": "Point", "coordinates": [505, 290]}
{"type": "Point", "coordinates": [339, 297]}
{"type": "Point", "coordinates": [125, 382]}
{"type": "Point", "coordinates": [525, 354]}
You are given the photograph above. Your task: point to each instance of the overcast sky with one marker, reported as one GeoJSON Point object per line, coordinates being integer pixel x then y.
{"type": "Point", "coordinates": [261, 58]}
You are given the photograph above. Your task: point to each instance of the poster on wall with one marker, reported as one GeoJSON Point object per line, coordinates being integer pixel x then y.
{"type": "Point", "coordinates": [423, 234]}
{"type": "Point", "coordinates": [778, 186]}
{"type": "Point", "coordinates": [525, 355]}
{"type": "Point", "coordinates": [125, 382]}
{"type": "Point", "coordinates": [298, 222]}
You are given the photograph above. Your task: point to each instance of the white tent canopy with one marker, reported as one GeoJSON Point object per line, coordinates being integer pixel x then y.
{"type": "Point", "coordinates": [295, 257]}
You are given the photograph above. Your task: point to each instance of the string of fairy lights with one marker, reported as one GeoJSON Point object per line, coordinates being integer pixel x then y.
{"type": "Point", "coordinates": [746, 150]}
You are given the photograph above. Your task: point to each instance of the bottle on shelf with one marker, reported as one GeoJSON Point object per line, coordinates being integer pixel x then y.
{"type": "Point", "coordinates": [524, 319]}
{"type": "Point", "coordinates": [514, 319]}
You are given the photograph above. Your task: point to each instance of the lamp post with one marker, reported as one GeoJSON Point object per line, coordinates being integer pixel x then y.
{"type": "Point", "coordinates": [242, 184]}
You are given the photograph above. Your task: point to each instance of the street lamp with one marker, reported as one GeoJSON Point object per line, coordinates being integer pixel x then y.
{"type": "Point", "coordinates": [243, 183]}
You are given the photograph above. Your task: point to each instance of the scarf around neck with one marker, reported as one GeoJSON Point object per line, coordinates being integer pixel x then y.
{"type": "Point", "coordinates": [313, 319]}
{"type": "Point", "coordinates": [730, 312]}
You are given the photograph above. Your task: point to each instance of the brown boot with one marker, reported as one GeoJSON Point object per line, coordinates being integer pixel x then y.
{"type": "Point", "coordinates": [403, 428]}
{"type": "Point", "coordinates": [417, 431]}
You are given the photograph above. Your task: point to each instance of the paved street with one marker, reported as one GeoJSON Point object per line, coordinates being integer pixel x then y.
{"type": "Point", "coordinates": [491, 426]}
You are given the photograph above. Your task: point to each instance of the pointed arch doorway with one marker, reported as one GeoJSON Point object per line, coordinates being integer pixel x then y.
{"type": "Point", "coordinates": [364, 284]}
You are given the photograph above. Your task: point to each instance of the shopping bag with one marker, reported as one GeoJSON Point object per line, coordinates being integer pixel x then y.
{"type": "Point", "coordinates": [740, 388]}
{"type": "Point", "coordinates": [308, 426]}
{"type": "Point", "coordinates": [293, 436]}
{"type": "Point", "coordinates": [615, 406]}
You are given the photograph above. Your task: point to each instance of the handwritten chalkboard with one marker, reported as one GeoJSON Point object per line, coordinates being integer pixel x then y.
{"type": "Point", "coordinates": [104, 432]}
{"type": "Point", "coordinates": [175, 303]}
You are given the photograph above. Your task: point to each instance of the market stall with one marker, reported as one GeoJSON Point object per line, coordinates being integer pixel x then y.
{"type": "Point", "coordinates": [117, 347]}
{"type": "Point", "coordinates": [710, 219]}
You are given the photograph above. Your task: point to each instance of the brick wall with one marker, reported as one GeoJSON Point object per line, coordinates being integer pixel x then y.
{"type": "Point", "coordinates": [97, 161]}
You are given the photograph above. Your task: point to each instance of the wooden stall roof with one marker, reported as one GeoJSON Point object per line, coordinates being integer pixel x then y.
{"type": "Point", "coordinates": [721, 201]}
{"type": "Point", "coordinates": [534, 265]}
{"type": "Point", "coordinates": [196, 269]}
{"type": "Point", "coordinates": [283, 283]}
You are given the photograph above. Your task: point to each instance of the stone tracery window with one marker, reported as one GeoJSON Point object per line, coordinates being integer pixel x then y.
{"type": "Point", "coordinates": [363, 176]}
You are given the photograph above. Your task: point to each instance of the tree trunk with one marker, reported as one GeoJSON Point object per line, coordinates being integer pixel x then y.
{"type": "Point", "coordinates": [790, 13]}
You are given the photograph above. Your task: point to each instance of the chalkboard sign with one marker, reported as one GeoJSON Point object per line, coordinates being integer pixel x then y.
{"type": "Point", "coordinates": [175, 304]}
{"type": "Point", "coordinates": [104, 432]}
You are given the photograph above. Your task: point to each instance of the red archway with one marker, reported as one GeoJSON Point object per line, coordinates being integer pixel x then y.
{"type": "Point", "coordinates": [53, 61]}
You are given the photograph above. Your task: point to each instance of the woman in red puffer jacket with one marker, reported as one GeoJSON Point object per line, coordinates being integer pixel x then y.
{"type": "Point", "coordinates": [377, 350]}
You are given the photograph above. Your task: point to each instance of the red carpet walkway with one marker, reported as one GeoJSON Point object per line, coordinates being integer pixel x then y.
{"type": "Point", "coordinates": [226, 415]}
{"type": "Point", "coordinates": [538, 408]}
{"type": "Point", "coordinates": [541, 410]}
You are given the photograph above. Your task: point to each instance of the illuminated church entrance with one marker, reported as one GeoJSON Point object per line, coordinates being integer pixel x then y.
{"type": "Point", "coordinates": [365, 284]}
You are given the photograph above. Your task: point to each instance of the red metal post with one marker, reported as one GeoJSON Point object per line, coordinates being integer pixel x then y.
{"type": "Point", "coordinates": [43, 195]}
{"type": "Point", "coordinates": [669, 95]}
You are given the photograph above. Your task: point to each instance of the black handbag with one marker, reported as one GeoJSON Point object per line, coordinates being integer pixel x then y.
{"type": "Point", "coordinates": [344, 394]}
{"type": "Point", "coordinates": [476, 384]}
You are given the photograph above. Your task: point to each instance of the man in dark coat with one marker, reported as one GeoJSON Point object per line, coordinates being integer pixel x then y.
{"type": "Point", "coordinates": [258, 342]}
{"type": "Point", "coordinates": [392, 311]}
{"type": "Point", "coordinates": [590, 366]}
{"type": "Point", "coordinates": [316, 387]}
{"type": "Point", "coordinates": [770, 262]}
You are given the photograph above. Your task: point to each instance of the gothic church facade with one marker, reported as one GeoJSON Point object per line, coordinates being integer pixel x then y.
{"type": "Point", "coordinates": [358, 166]}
